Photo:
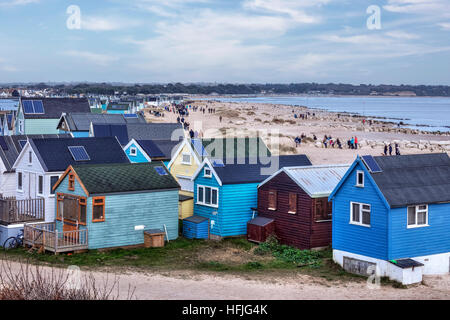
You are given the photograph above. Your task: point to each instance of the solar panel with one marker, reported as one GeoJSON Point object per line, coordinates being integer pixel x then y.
{"type": "Point", "coordinates": [3, 143]}
{"type": "Point", "coordinates": [218, 163]}
{"type": "Point", "coordinates": [161, 171]}
{"type": "Point", "coordinates": [38, 106]}
{"type": "Point", "coordinates": [28, 106]}
{"type": "Point", "coordinates": [371, 164]}
{"type": "Point", "coordinates": [22, 143]}
{"type": "Point", "coordinates": [79, 153]}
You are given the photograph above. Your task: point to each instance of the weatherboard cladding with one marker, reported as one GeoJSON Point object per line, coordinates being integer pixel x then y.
{"type": "Point", "coordinates": [125, 211]}
{"type": "Point", "coordinates": [300, 229]}
{"type": "Point", "coordinates": [414, 179]}
{"type": "Point", "coordinates": [130, 177]}
{"type": "Point", "coordinates": [55, 107]}
{"type": "Point", "coordinates": [55, 155]}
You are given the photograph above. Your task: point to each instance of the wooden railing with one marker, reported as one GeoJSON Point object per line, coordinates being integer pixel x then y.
{"type": "Point", "coordinates": [46, 235]}
{"type": "Point", "coordinates": [20, 211]}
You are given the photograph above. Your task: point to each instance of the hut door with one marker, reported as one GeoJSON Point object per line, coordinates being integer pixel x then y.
{"type": "Point", "coordinates": [31, 185]}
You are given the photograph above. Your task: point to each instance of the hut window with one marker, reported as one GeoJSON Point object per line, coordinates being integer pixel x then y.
{"type": "Point", "coordinates": [30, 157]}
{"type": "Point", "coordinates": [53, 180]}
{"type": "Point", "coordinates": [360, 178]}
{"type": "Point", "coordinates": [82, 202]}
{"type": "Point", "coordinates": [71, 182]}
{"type": "Point", "coordinates": [186, 158]}
{"type": "Point", "coordinates": [133, 151]}
{"type": "Point", "coordinates": [59, 206]}
{"type": "Point", "coordinates": [40, 185]}
{"type": "Point", "coordinates": [360, 214]}
{"type": "Point", "coordinates": [207, 173]}
{"type": "Point", "coordinates": [292, 203]}
{"type": "Point", "coordinates": [208, 196]}
{"type": "Point", "coordinates": [272, 200]}
{"type": "Point", "coordinates": [19, 181]}
{"type": "Point", "coordinates": [417, 216]}
{"type": "Point", "coordinates": [98, 209]}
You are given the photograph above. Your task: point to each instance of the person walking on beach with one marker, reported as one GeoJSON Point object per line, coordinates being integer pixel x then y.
{"type": "Point", "coordinates": [397, 150]}
{"type": "Point", "coordinates": [356, 142]}
{"type": "Point", "coordinates": [220, 118]}
{"type": "Point", "coordinates": [352, 143]}
{"type": "Point", "coordinates": [390, 149]}
{"type": "Point", "coordinates": [385, 149]}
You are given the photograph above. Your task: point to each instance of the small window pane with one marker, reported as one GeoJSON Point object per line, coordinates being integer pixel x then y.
{"type": "Point", "coordinates": [98, 213]}
{"type": "Point", "coordinates": [292, 202]}
{"type": "Point", "coordinates": [53, 181]}
{"type": "Point", "coordinates": [214, 196]}
{"type": "Point", "coordinates": [366, 217]}
{"type": "Point", "coordinates": [355, 212]}
{"type": "Point", "coordinates": [186, 158]}
{"type": "Point", "coordinates": [200, 194]}
{"type": "Point", "coordinates": [208, 195]}
{"type": "Point", "coordinates": [421, 218]}
{"type": "Point", "coordinates": [411, 215]}
{"type": "Point", "coordinates": [82, 213]}
{"type": "Point", "coordinates": [19, 180]}
{"type": "Point", "coordinates": [41, 185]}
{"type": "Point", "coordinates": [423, 207]}
{"type": "Point", "coordinates": [360, 178]}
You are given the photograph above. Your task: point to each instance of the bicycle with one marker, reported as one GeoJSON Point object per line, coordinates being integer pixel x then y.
{"type": "Point", "coordinates": [14, 242]}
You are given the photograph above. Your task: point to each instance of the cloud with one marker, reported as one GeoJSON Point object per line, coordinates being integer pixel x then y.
{"type": "Point", "coordinates": [421, 7]}
{"type": "Point", "coordinates": [398, 34]}
{"type": "Point", "coordinates": [295, 9]}
{"type": "Point", "coordinates": [14, 3]}
{"type": "Point", "coordinates": [445, 25]}
{"type": "Point", "coordinates": [112, 23]}
{"type": "Point", "coordinates": [166, 8]}
{"type": "Point", "coordinates": [95, 58]}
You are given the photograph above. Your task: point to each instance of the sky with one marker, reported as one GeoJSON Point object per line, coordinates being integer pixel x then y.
{"type": "Point", "coordinates": [226, 41]}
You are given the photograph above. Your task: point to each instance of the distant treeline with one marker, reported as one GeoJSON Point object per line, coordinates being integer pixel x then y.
{"type": "Point", "coordinates": [294, 88]}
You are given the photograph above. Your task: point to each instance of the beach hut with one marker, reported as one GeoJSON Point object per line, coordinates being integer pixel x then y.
{"type": "Point", "coordinates": [42, 115]}
{"type": "Point", "coordinates": [296, 198]}
{"type": "Point", "coordinates": [196, 227]}
{"type": "Point", "coordinates": [111, 205]}
{"type": "Point", "coordinates": [226, 193]}
{"type": "Point", "coordinates": [139, 151]}
{"type": "Point", "coordinates": [391, 216]}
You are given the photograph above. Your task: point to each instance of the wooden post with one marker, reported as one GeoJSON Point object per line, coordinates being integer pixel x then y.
{"type": "Point", "coordinates": [56, 240]}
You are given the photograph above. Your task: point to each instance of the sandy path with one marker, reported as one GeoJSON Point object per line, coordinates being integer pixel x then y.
{"type": "Point", "coordinates": [196, 286]}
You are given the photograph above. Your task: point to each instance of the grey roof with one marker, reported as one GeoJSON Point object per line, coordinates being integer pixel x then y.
{"type": "Point", "coordinates": [243, 171]}
{"type": "Point", "coordinates": [54, 154]}
{"type": "Point", "coordinates": [142, 131]}
{"type": "Point", "coordinates": [14, 148]}
{"type": "Point", "coordinates": [317, 181]}
{"type": "Point", "coordinates": [81, 121]}
{"type": "Point", "coordinates": [414, 179]}
{"type": "Point", "coordinates": [406, 263]}
{"type": "Point", "coordinates": [261, 221]}
{"type": "Point", "coordinates": [55, 107]}
{"type": "Point", "coordinates": [166, 148]}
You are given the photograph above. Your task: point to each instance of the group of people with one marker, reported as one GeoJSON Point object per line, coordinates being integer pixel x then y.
{"type": "Point", "coordinates": [298, 139]}
{"type": "Point", "coordinates": [389, 149]}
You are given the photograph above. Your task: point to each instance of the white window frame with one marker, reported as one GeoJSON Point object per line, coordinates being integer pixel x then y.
{"type": "Point", "coordinates": [182, 158]}
{"type": "Point", "coordinates": [133, 151]}
{"type": "Point", "coordinates": [17, 181]}
{"type": "Point", "coordinates": [207, 175]}
{"type": "Point", "coordinates": [203, 203]}
{"type": "Point", "coordinates": [37, 185]}
{"type": "Point", "coordinates": [417, 211]}
{"type": "Point", "coordinates": [360, 223]}
{"type": "Point", "coordinates": [358, 172]}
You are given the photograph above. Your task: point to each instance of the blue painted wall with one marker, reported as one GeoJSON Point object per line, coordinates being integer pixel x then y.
{"type": "Point", "coordinates": [116, 111]}
{"type": "Point", "coordinates": [125, 211]}
{"type": "Point", "coordinates": [138, 158]}
{"type": "Point", "coordinates": [416, 242]}
{"type": "Point", "coordinates": [369, 241]}
{"type": "Point", "coordinates": [235, 203]}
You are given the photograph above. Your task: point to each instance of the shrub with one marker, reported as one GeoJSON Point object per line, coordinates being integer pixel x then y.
{"type": "Point", "coordinates": [21, 281]}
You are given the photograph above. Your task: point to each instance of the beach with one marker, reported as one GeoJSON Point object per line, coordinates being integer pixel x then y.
{"type": "Point", "coordinates": [278, 127]}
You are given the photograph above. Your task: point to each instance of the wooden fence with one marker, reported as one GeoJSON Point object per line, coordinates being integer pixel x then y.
{"type": "Point", "coordinates": [46, 235]}
{"type": "Point", "coordinates": [20, 211]}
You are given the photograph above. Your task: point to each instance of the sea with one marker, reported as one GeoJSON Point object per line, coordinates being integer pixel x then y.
{"type": "Point", "coordinates": [423, 113]}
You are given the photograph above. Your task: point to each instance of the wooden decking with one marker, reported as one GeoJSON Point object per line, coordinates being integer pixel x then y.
{"type": "Point", "coordinates": [14, 211]}
{"type": "Point", "coordinates": [45, 236]}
